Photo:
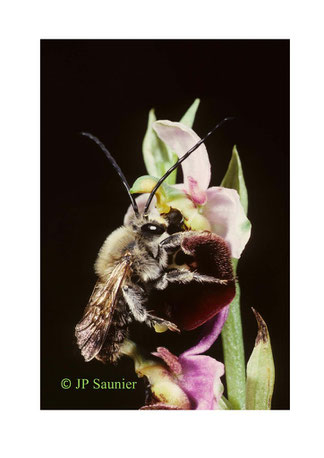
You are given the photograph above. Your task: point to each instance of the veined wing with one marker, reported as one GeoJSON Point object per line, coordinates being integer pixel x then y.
{"type": "Point", "coordinates": [93, 328]}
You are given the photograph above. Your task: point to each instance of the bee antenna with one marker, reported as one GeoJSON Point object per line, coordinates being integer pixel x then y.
{"type": "Point", "coordinates": [116, 167]}
{"type": "Point", "coordinates": [180, 160]}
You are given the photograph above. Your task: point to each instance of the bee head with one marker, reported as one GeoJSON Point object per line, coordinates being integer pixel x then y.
{"type": "Point", "coordinates": [149, 227]}
{"type": "Point", "coordinates": [149, 232]}
{"type": "Point", "coordinates": [153, 226]}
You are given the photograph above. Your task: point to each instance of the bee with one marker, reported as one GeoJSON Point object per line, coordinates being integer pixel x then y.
{"type": "Point", "coordinates": [155, 271]}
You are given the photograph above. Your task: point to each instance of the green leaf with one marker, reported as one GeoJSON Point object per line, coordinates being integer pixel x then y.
{"type": "Point", "coordinates": [260, 370]}
{"type": "Point", "coordinates": [233, 348]}
{"type": "Point", "coordinates": [232, 334]}
{"type": "Point", "coordinates": [158, 158]}
{"type": "Point", "coordinates": [189, 116]}
{"type": "Point", "coordinates": [234, 178]}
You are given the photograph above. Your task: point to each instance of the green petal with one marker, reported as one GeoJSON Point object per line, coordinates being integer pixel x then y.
{"type": "Point", "coordinates": [234, 178]}
{"type": "Point", "coordinates": [260, 370]}
{"type": "Point", "coordinates": [146, 183]}
{"type": "Point", "coordinates": [157, 156]}
{"type": "Point", "coordinates": [189, 116]}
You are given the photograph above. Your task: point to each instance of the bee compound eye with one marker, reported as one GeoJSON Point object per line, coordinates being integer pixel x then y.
{"type": "Point", "coordinates": [153, 229]}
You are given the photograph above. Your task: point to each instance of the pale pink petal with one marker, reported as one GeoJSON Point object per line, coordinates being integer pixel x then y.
{"type": "Point", "coordinates": [180, 139]}
{"type": "Point", "coordinates": [198, 196]}
{"type": "Point", "coordinates": [141, 201]}
{"type": "Point", "coordinates": [227, 218]}
{"type": "Point", "coordinates": [200, 374]}
{"type": "Point", "coordinates": [200, 378]}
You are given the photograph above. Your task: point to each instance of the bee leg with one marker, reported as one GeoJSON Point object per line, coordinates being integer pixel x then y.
{"type": "Point", "coordinates": [135, 298]}
{"type": "Point", "coordinates": [185, 276]}
{"type": "Point", "coordinates": [171, 243]}
{"type": "Point", "coordinates": [174, 276]}
{"type": "Point", "coordinates": [153, 320]}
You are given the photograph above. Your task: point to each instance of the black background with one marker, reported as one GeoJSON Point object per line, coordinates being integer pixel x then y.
{"type": "Point", "coordinates": [107, 88]}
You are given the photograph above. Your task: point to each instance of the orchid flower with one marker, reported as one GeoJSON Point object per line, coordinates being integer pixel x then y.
{"type": "Point", "coordinates": [192, 380]}
{"type": "Point", "coordinates": [217, 208]}
{"type": "Point", "coordinates": [189, 381]}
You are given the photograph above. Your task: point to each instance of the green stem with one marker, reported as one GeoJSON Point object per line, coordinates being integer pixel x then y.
{"type": "Point", "coordinates": [233, 348]}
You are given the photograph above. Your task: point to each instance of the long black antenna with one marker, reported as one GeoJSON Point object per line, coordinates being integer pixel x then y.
{"type": "Point", "coordinates": [181, 159]}
{"type": "Point", "coordinates": [116, 167]}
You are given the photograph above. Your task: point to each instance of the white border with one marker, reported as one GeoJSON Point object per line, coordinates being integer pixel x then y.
{"type": "Point", "coordinates": [79, 433]}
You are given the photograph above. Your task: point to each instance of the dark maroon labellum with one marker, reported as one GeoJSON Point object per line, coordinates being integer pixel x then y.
{"type": "Point", "coordinates": [192, 304]}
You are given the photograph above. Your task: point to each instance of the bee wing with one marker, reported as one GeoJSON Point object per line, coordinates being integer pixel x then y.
{"type": "Point", "coordinates": [93, 328]}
